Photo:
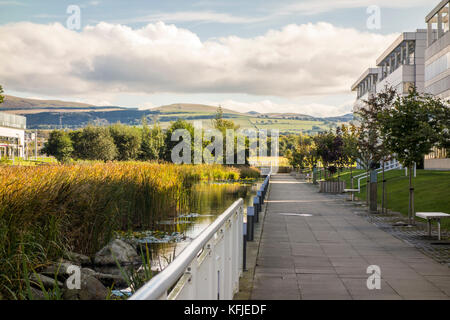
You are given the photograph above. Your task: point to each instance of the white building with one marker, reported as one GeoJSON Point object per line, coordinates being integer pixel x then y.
{"type": "Point", "coordinates": [401, 66]}
{"type": "Point", "coordinates": [12, 135]}
{"type": "Point", "coordinates": [365, 86]}
{"type": "Point", "coordinates": [437, 54]}
{"type": "Point", "coordinates": [403, 63]}
{"type": "Point", "coordinates": [437, 70]}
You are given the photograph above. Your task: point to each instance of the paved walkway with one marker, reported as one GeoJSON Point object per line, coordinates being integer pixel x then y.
{"type": "Point", "coordinates": [326, 255]}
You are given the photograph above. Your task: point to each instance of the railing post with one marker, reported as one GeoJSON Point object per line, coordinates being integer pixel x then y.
{"type": "Point", "coordinates": [244, 255]}
{"type": "Point", "coordinates": [256, 206]}
{"type": "Point", "coordinates": [260, 196]}
{"type": "Point", "coordinates": [250, 223]}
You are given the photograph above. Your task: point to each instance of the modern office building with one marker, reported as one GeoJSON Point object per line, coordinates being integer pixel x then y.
{"type": "Point", "coordinates": [12, 135]}
{"type": "Point", "coordinates": [403, 63]}
{"type": "Point", "coordinates": [437, 70]}
{"type": "Point", "coordinates": [365, 86]}
{"type": "Point", "coordinates": [401, 66]}
{"type": "Point", "coordinates": [420, 59]}
{"type": "Point", "coordinates": [437, 54]}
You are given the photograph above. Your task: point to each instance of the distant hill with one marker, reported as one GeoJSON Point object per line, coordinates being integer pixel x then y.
{"type": "Point", "coordinates": [187, 108]}
{"type": "Point", "coordinates": [26, 106]}
{"type": "Point", "coordinates": [12, 102]}
{"type": "Point", "coordinates": [345, 118]}
{"type": "Point", "coordinates": [50, 114]}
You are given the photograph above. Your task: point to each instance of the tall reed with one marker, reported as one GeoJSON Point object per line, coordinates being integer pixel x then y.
{"type": "Point", "coordinates": [47, 210]}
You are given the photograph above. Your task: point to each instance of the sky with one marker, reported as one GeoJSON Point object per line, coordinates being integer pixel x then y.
{"type": "Point", "coordinates": [255, 55]}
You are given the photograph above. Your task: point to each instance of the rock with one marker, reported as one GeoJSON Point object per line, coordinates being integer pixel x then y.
{"type": "Point", "coordinates": [47, 282]}
{"type": "Point", "coordinates": [110, 280]}
{"type": "Point", "coordinates": [88, 272]}
{"type": "Point", "coordinates": [90, 289]}
{"type": "Point", "coordinates": [59, 269]}
{"type": "Point", "coordinates": [78, 259]}
{"type": "Point", "coordinates": [117, 251]}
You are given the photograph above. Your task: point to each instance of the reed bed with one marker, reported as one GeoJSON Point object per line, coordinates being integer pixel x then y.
{"type": "Point", "coordinates": [47, 210]}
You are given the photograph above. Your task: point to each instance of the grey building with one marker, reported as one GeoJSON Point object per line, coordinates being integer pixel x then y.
{"type": "Point", "coordinates": [437, 70]}
{"type": "Point", "coordinates": [401, 66]}
{"type": "Point", "coordinates": [437, 54]}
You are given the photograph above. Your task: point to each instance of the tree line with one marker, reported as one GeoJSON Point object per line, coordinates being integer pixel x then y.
{"type": "Point", "coordinates": [124, 143]}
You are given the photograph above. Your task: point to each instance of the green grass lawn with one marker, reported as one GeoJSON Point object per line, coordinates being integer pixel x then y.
{"type": "Point", "coordinates": [432, 191]}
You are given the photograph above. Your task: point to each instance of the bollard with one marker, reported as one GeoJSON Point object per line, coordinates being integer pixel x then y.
{"type": "Point", "coordinates": [257, 208]}
{"type": "Point", "coordinates": [260, 196]}
{"type": "Point", "coordinates": [244, 258]}
{"type": "Point", "coordinates": [250, 223]}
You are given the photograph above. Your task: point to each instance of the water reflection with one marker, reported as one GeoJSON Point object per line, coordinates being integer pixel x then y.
{"type": "Point", "coordinates": [204, 202]}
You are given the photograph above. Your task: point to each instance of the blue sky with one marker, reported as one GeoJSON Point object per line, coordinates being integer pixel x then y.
{"type": "Point", "coordinates": [292, 56]}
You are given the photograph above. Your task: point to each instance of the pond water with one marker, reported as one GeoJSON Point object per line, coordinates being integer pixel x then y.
{"type": "Point", "coordinates": [204, 202]}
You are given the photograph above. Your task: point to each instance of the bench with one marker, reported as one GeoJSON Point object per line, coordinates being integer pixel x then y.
{"type": "Point", "coordinates": [429, 216]}
{"type": "Point", "coordinates": [352, 192]}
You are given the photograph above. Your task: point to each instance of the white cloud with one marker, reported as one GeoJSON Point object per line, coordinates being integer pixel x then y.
{"type": "Point", "coordinates": [298, 60]}
{"type": "Point", "coordinates": [197, 16]}
{"type": "Point", "coordinates": [315, 7]}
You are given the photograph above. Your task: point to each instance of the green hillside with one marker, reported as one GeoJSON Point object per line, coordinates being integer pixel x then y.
{"type": "Point", "coordinates": [50, 114]}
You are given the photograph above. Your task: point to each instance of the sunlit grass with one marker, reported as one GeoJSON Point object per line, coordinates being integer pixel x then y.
{"type": "Point", "coordinates": [431, 192]}
{"type": "Point", "coordinates": [46, 210]}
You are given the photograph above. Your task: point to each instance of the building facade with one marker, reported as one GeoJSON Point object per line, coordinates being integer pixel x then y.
{"type": "Point", "coordinates": [401, 66]}
{"type": "Point", "coordinates": [437, 54]}
{"type": "Point", "coordinates": [437, 70]}
{"type": "Point", "coordinates": [12, 135]}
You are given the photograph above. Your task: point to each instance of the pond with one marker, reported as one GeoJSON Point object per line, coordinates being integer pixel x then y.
{"type": "Point", "coordinates": [204, 203]}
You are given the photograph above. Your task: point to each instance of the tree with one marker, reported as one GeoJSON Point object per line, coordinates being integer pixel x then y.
{"type": "Point", "coordinates": [93, 143]}
{"type": "Point", "coordinates": [127, 140]}
{"type": "Point", "coordinates": [350, 138]}
{"type": "Point", "coordinates": [222, 124]}
{"type": "Point", "coordinates": [372, 140]}
{"type": "Point", "coordinates": [152, 147]}
{"type": "Point", "coordinates": [59, 145]}
{"type": "Point", "coordinates": [415, 124]}
{"type": "Point", "coordinates": [169, 144]}
{"type": "Point", "coordinates": [330, 150]}
{"type": "Point", "coordinates": [2, 98]}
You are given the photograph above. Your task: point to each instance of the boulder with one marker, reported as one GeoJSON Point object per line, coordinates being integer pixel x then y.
{"type": "Point", "coordinates": [110, 280]}
{"type": "Point", "coordinates": [78, 259]}
{"type": "Point", "coordinates": [117, 251]}
{"type": "Point", "coordinates": [90, 289]}
{"type": "Point", "coordinates": [47, 282]}
{"type": "Point", "coordinates": [59, 269]}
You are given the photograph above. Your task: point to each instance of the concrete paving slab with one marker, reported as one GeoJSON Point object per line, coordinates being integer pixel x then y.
{"type": "Point", "coordinates": [328, 253]}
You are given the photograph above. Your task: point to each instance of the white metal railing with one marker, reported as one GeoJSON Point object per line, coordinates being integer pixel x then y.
{"type": "Point", "coordinates": [208, 268]}
{"type": "Point", "coordinates": [392, 166]}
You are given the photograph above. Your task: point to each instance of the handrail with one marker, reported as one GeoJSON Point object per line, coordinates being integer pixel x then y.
{"type": "Point", "coordinates": [162, 282]}
{"type": "Point", "coordinates": [395, 166]}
